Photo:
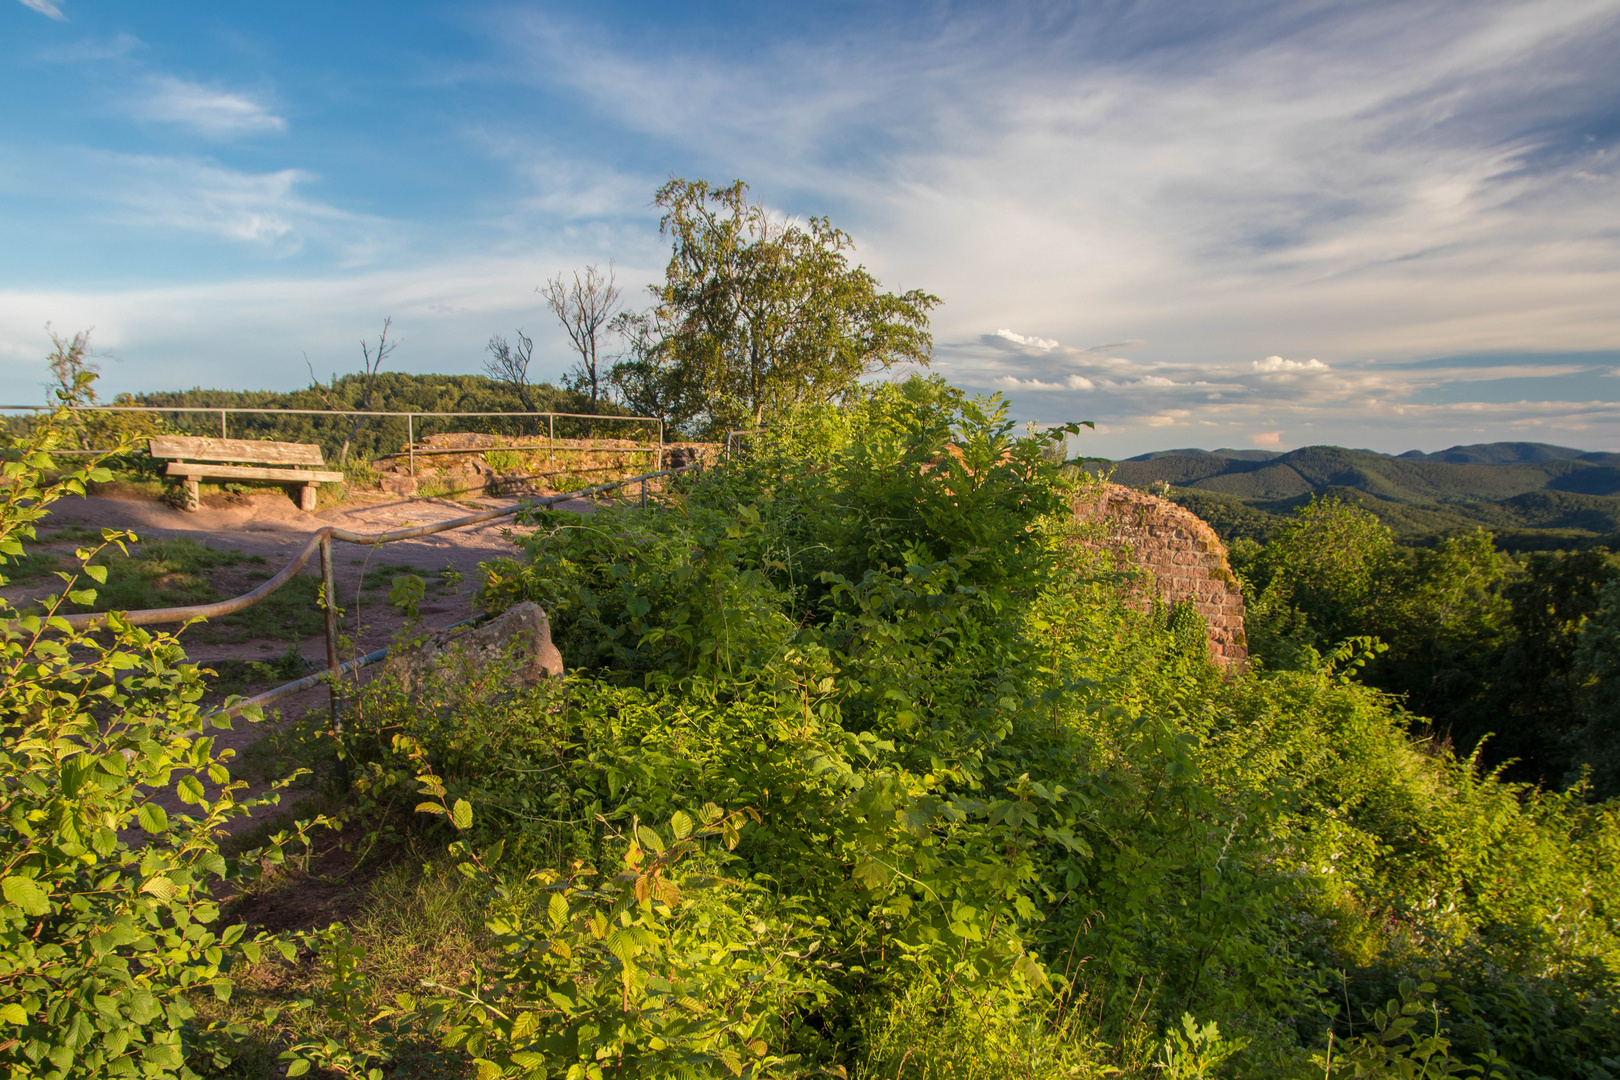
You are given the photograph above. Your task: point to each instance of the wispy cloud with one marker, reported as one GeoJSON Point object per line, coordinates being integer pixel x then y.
{"type": "Point", "coordinates": [1266, 198]}
{"type": "Point", "coordinates": [205, 109]}
{"type": "Point", "coordinates": [91, 50]}
{"type": "Point", "coordinates": [269, 212]}
{"type": "Point", "coordinates": [49, 8]}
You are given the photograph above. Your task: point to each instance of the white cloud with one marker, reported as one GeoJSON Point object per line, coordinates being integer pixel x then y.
{"type": "Point", "coordinates": [50, 8]}
{"type": "Point", "coordinates": [1268, 439]}
{"type": "Point", "coordinates": [253, 333]}
{"type": "Point", "coordinates": [1277, 363]}
{"type": "Point", "coordinates": [205, 109]}
{"type": "Point", "coordinates": [1042, 344]}
{"type": "Point", "coordinates": [1277, 183]}
{"type": "Point", "coordinates": [263, 209]}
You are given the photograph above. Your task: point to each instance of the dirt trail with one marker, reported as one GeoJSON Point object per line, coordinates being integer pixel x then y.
{"type": "Point", "coordinates": [270, 524]}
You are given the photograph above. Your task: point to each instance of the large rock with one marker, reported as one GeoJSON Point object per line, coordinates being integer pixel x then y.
{"type": "Point", "coordinates": [1182, 560]}
{"type": "Point", "coordinates": [519, 637]}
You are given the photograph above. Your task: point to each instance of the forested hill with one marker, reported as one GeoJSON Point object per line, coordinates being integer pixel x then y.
{"type": "Point", "coordinates": [1531, 494]}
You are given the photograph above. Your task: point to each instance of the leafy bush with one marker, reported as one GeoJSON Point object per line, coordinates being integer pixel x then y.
{"type": "Point", "coordinates": [107, 934]}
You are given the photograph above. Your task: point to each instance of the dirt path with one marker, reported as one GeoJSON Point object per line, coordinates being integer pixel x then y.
{"type": "Point", "coordinates": [272, 526]}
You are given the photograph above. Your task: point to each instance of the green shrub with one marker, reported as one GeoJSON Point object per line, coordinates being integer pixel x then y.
{"type": "Point", "coordinates": [110, 926]}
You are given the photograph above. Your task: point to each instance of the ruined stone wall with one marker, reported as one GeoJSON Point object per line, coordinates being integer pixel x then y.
{"type": "Point", "coordinates": [1185, 561]}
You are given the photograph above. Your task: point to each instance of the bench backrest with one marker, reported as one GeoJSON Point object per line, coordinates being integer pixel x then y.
{"type": "Point", "coordinates": [193, 448]}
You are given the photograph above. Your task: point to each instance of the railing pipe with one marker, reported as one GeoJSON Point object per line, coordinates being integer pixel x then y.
{"type": "Point", "coordinates": [324, 535]}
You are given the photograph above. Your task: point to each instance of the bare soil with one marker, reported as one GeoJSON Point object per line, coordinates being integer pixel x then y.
{"type": "Point", "coordinates": [270, 524]}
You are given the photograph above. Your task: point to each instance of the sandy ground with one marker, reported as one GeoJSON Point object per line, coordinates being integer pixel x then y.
{"type": "Point", "coordinates": [270, 524]}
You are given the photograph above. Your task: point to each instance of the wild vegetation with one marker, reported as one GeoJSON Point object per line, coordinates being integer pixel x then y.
{"type": "Point", "coordinates": [865, 765]}
{"type": "Point", "coordinates": [1503, 657]}
{"type": "Point", "coordinates": [862, 768]}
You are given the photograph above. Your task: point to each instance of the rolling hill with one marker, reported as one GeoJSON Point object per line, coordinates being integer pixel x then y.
{"type": "Point", "coordinates": [1532, 495]}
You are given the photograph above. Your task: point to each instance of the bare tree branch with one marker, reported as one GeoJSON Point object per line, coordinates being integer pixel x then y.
{"type": "Point", "coordinates": [510, 365]}
{"type": "Point", "coordinates": [585, 308]}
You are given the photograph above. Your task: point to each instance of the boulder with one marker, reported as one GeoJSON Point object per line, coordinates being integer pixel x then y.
{"type": "Point", "coordinates": [519, 637]}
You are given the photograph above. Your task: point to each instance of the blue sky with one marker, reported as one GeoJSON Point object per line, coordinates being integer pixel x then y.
{"type": "Point", "coordinates": [1391, 225]}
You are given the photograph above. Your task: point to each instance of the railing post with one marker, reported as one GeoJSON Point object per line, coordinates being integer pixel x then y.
{"type": "Point", "coordinates": [551, 441]}
{"type": "Point", "coordinates": [644, 493]}
{"type": "Point", "coordinates": [410, 440]}
{"type": "Point", "coordinates": [658, 466]}
{"type": "Point", "coordinates": [333, 668]}
{"type": "Point", "coordinates": [222, 423]}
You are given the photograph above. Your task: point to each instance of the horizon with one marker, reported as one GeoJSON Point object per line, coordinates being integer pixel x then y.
{"type": "Point", "coordinates": [1382, 225]}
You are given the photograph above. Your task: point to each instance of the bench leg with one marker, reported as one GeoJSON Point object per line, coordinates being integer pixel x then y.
{"type": "Point", "coordinates": [306, 498]}
{"type": "Point", "coordinates": [193, 497]}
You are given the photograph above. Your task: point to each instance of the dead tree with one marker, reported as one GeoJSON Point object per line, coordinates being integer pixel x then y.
{"type": "Point", "coordinates": [584, 308]}
{"type": "Point", "coordinates": [370, 368]}
{"type": "Point", "coordinates": [509, 365]}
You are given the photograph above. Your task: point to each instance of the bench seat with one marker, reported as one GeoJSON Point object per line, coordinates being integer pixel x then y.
{"type": "Point", "coordinates": [248, 472]}
{"type": "Point", "coordinates": [198, 458]}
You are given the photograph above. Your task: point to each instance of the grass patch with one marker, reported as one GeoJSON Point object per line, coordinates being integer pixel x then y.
{"type": "Point", "coordinates": [383, 576]}
{"type": "Point", "coordinates": [27, 567]}
{"type": "Point", "coordinates": [418, 923]}
{"type": "Point", "coordinates": [180, 572]}
{"type": "Point", "coordinates": [236, 676]}
{"type": "Point", "coordinates": [70, 534]}
{"type": "Point", "coordinates": [291, 613]}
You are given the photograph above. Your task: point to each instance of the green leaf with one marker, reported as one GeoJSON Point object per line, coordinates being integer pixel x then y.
{"type": "Point", "coordinates": [680, 825]}
{"type": "Point", "coordinates": [461, 816]}
{"type": "Point", "coordinates": [12, 1013]}
{"type": "Point", "coordinates": [429, 808]}
{"type": "Point", "coordinates": [650, 839]}
{"type": "Point", "coordinates": [26, 894]}
{"type": "Point", "coordinates": [152, 818]}
{"type": "Point", "coordinates": [160, 887]}
{"type": "Point", "coordinates": [298, 1067]}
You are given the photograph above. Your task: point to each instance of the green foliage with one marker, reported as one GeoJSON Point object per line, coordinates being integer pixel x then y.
{"type": "Point", "coordinates": [971, 755]}
{"type": "Point", "coordinates": [757, 316]}
{"type": "Point", "coordinates": [983, 817]}
{"type": "Point", "coordinates": [1596, 665]}
{"type": "Point", "coordinates": [1480, 647]}
{"type": "Point", "coordinates": [110, 929]}
{"type": "Point", "coordinates": [1407, 1043]}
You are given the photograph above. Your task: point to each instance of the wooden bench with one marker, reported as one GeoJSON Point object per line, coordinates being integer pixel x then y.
{"type": "Point", "coordinates": [197, 459]}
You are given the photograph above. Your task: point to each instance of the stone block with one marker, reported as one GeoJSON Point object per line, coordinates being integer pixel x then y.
{"type": "Point", "coordinates": [520, 636]}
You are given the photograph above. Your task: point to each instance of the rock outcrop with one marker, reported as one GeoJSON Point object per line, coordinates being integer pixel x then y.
{"type": "Point", "coordinates": [1183, 560]}
{"type": "Point", "coordinates": [519, 636]}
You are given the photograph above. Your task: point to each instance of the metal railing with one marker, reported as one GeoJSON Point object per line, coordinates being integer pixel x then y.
{"type": "Point", "coordinates": [320, 541]}
{"type": "Point", "coordinates": [410, 424]}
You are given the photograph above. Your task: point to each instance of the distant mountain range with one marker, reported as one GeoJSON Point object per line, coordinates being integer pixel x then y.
{"type": "Point", "coordinates": [1562, 496]}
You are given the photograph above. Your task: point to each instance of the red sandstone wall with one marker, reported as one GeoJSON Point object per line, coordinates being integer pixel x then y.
{"type": "Point", "coordinates": [1186, 560]}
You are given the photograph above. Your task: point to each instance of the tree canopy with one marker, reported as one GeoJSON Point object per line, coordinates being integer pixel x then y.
{"type": "Point", "coordinates": [757, 315]}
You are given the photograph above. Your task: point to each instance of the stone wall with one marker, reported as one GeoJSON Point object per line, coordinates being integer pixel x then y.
{"type": "Point", "coordinates": [1185, 560]}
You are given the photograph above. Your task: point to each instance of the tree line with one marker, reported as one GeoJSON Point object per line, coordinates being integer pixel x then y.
{"type": "Point", "coordinates": [1515, 659]}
